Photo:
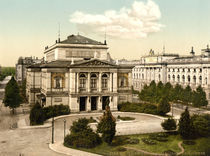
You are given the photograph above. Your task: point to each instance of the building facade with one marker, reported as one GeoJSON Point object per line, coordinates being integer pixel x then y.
{"type": "Point", "coordinates": [79, 72]}
{"type": "Point", "coordinates": [21, 65]}
{"type": "Point", "coordinates": [186, 70]}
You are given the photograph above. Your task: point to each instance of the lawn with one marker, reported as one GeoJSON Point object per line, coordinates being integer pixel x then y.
{"type": "Point", "coordinates": [121, 147]}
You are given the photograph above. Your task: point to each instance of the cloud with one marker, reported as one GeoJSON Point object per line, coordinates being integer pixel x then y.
{"type": "Point", "coordinates": [135, 22]}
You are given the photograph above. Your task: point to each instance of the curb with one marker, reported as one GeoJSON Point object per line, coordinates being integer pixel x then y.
{"type": "Point", "coordinates": [58, 147]}
{"type": "Point", "coordinates": [48, 123]}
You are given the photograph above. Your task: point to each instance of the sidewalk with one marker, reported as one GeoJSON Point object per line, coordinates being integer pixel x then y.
{"type": "Point", "coordinates": [60, 148]}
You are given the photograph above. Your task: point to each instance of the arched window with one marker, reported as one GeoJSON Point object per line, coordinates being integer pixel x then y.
{"type": "Point", "coordinates": [174, 78]}
{"type": "Point", "coordinates": [93, 81]}
{"type": "Point", "coordinates": [188, 78]}
{"type": "Point", "coordinates": [104, 81]}
{"type": "Point", "coordinates": [169, 77]}
{"type": "Point", "coordinates": [194, 79]}
{"type": "Point", "coordinates": [82, 80]}
{"type": "Point", "coordinates": [200, 79]}
{"type": "Point", "coordinates": [183, 78]}
{"type": "Point", "coordinates": [142, 76]}
{"type": "Point", "coordinates": [206, 81]}
{"type": "Point", "coordinates": [178, 78]}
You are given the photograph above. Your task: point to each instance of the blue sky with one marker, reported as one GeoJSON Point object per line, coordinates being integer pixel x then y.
{"type": "Point", "coordinates": [27, 26]}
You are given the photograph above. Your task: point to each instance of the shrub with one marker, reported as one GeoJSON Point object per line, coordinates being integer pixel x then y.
{"type": "Point", "coordinates": [119, 140]}
{"type": "Point", "coordinates": [138, 107]}
{"type": "Point", "coordinates": [36, 115]}
{"type": "Point", "coordinates": [82, 135]}
{"type": "Point", "coordinates": [158, 137]}
{"type": "Point", "coordinates": [133, 141]}
{"type": "Point", "coordinates": [56, 110]}
{"type": "Point", "coordinates": [169, 124]}
{"type": "Point", "coordinates": [201, 125]}
{"type": "Point", "coordinates": [126, 118]}
{"type": "Point", "coordinates": [91, 120]}
{"type": "Point", "coordinates": [148, 141]}
{"type": "Point", "coordinates": [170, 152]}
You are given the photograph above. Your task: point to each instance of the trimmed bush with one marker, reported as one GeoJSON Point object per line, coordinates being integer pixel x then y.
{"type": "Point", "coordinates": [56, 110]}
{"type": "Point", "coordinates": [138, 107]}
{"type": "Point", "coordinates": [37, 115]}
{"type": "Point", "coordinates": [169, 124]}
{"type": "Point", "coordinates": [126, 118]}
{"type": "Point", "coordinates": [119, 140]}
{"type": "Point", "coordinates": [148, 141]}
{"type": "Point", "coordinates": [82, 135]}
{"type": "Point", "coordinates": [170, 152]}
{"type": "Point", "coordinates": [133, 141]}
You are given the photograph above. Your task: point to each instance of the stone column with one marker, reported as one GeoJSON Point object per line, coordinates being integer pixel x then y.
{"type": "Point", "coordinates": [77, 82]}
{"type": "Point", "coordinates": [99, 83]}
{"type": "Point", "coordinates": [88, 108]}
{"type": "Point", "coordinates": [115, 82]}
{"type": "Point", "coordinates": [88, 83]}
{"type": "Point", "coordinates": [110, 82]}
{"type": "Point", "coordinates": [99, 103]}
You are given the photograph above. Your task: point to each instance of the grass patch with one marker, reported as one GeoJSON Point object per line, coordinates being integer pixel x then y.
{"type": "Point", "coordinates": [201, 147]}
{"type": "Point", "coordinates": [125, 118]}
{"type": "Point", "coordinates": [118, 147]}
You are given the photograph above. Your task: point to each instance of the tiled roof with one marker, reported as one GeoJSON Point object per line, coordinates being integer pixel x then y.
{"type": "Point", "coordinates": [78, 39]}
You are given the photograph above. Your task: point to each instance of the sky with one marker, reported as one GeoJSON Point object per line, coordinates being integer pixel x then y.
{"type": "Point", "coordinates": [132, 28]}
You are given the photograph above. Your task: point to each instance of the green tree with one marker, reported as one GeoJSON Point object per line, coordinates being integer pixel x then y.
{"type": "Point", "coordinates": [168, 90]}
{"type": "Point", "coordinates": [163, 106]}
{"type": "Point", "coordinates": [169, 124]}
{"type": "Point", "coordinates": [12, 98]}
{"type": "Point", "coordinates": [107, 126]}
{"type": "Point", "coordinates": [82, 135]}
{"type": "Point", "coordinates": [201, 125]}
{"type": "Point", "coordinates": [37, 115]}
{"type": "Point", "coordinates": [187, 95]}
{"type": "Point", "coordinates": [185, 129]}
{"type": "Point", "coordinates": [199, 97]}
{"type": "Point", "coordinates": [177, 93]}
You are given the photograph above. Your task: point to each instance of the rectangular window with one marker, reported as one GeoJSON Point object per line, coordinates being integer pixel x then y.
{"type": "Point", "coordinates": [104, 83]}
{"type": "Point", "coordinates": [82, 83]}
{"type": "Point", "coordinates": [93, 83]}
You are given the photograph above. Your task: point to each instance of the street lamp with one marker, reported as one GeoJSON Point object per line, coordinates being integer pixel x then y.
{"type": "Point", "coordinates": [64, 130]}
{"type": "Point", "coordinates": [53, 129]}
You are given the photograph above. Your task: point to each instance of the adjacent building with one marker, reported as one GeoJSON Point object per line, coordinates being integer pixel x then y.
{"type": "Point", "coordinates": [79, 72]}
{"type": "Point", "coordinates": [21, 65]}
{"type": "Point", "coordinates": [193, 70]}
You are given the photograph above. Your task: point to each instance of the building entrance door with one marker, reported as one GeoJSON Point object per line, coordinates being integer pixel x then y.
{"type": "Point", "coordinates": [105, 101]}
{"type": "Point", "coordinates": [94, 103]}
{"type": "Point", "coordinates": [82, 104]}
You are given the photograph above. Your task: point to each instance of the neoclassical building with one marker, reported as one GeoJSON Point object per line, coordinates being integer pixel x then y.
{"type": "Point", "coordinates": [193, 70]}
{"type": "Point", "coordinates": [79, 72]}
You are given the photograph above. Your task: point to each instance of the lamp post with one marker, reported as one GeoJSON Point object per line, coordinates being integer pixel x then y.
{"type": "Point", "coordinates": [64, 129]}
{"type": "Point", "coordinates": [53, 130]}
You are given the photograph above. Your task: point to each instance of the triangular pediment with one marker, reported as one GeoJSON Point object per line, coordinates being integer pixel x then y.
{"type": "Point", "coordinates": [95, 63]}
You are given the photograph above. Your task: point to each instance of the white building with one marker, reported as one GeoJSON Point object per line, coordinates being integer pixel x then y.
{"type": "Point", "coordinates": [186, 70]}
{"type": "Point", "coordinates": [79, 72]}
